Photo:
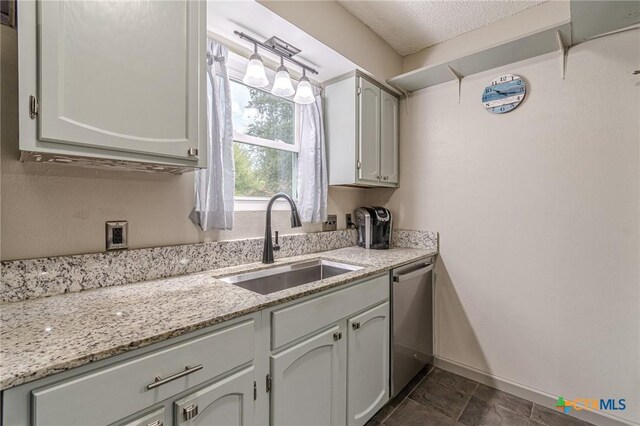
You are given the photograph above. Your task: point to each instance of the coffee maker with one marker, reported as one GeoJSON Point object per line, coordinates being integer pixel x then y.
{"type": "Point", "coordinates": [375, 225]}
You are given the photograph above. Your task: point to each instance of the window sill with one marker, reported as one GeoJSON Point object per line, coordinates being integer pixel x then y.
{"type": "Point", "coordinates": [258, 204]}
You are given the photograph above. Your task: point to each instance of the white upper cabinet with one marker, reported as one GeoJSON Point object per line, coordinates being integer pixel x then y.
{"type": "Point", "coordinates": [389, 138]}
{"type": "Point", "coordinates": [118, 80]}
{"type": "Point", "coordinates": [369, 129]}
{"type": "Point", "coordinates": [361, 124]}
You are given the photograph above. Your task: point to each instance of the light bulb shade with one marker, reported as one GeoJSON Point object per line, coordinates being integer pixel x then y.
{"type": "Point", "coordinates": [282, 84]}
{"type": "Point", "coordinates": [255, 75]}
{"type": "Point", "coordinates": [304, 94]}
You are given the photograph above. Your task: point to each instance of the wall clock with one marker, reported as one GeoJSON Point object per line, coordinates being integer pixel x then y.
{"type": "Point", "coordinates": [504, 94]}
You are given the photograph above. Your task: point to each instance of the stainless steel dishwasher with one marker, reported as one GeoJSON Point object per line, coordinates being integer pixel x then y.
{"type": "Point", "coordinates": [411, 321]}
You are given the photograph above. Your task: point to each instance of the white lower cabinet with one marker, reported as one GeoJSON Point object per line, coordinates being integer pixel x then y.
{"type": "Point", "coordinates": [338, 373]}
{"type": "Point", "coordinates": [308, 383]}
{"type": "Point", "coordinates": [368, 364]}
{"type": "Point", "coordinates": [118, 390]}
{"type": "Point", "coordinates": [228, 402]}
{"type": "Point", "coordinates": [325, 359]}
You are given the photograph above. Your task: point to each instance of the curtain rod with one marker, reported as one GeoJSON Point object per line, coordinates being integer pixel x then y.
{"type": "Point", "coordinates": [272, 50]}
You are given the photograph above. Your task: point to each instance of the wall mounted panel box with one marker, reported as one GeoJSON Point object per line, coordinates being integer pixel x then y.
{"type": "Point", "coordinates": [108, 84]}
{"type": "Point", "coordinates": [361, 121]}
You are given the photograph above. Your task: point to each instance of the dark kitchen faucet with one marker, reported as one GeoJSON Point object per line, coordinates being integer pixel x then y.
{"type": "Point", "coordinates": [267, 253]}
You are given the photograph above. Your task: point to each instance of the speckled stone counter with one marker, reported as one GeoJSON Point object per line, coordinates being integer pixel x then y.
{"type": "Point", "coordinates": [44, 336]}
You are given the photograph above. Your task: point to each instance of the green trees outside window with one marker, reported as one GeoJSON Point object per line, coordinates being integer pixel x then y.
{"type": "Point", "coordinates": [269, 122]}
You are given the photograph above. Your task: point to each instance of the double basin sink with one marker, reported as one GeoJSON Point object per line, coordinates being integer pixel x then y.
{"type": "Point", "coordinates": [280, 278]}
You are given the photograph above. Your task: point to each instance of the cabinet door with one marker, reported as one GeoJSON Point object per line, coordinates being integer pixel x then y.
{"type": "Point", "coordinates": [368, 364]}
{"type": "Point", "coordinates": [228, 402]}
{"type": "Point", "coordinates": [123, 75]}
{"type": "Point", "coordinates": [308, 382]}
{"type": "Point", "coordinates": [369, 131]}
{"type": "Point", "coordinates": [389, 138]}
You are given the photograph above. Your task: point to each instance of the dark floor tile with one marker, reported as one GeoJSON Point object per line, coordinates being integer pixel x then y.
{"type": "Point", "coordinates": [410, 386]}
{"type": "Point", "coordinates": [480, 413]}
{"type": "Point", "coordinates": [504, 399]}
{"type": "Point", "coordinates": [453, 381]}
{"type": "Point", "coordinates": [440, 398]}
{"type": "Point", "coordinates": [411, 413]}
{"type": "Point", "coordinates": [551, 417]}
{"type": "Point", "coordinates": [381, 415]}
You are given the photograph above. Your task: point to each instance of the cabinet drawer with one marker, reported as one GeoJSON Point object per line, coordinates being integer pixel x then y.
{"type": "Point", "coordinates": [113, 393]}
{"type": "Point", "coordinates": [303, 318]}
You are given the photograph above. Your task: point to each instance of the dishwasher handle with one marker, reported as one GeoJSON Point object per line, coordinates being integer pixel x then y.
{"type": "Point", "coordinates": [421, 271]}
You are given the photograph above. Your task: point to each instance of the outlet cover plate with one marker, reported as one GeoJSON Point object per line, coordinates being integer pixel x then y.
{"type": "Point", "coordinates": [116, 237]}
{"type": "Point", "coordinates": [331, 224]}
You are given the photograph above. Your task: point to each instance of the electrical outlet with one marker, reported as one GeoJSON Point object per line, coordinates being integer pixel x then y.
{"type": "Point", "coordinates": [331, 224]}
{"type": "Point", "coordinates": [116, 237]}
{"type": "Point", "coordinates": [350, 224]}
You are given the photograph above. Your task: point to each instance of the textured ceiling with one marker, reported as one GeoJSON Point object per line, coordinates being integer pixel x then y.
{"type": "Point", "coordinates": [409, 26]}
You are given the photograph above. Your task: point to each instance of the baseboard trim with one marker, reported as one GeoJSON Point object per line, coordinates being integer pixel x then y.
{"type": "Point", "coordinates": [539, 397]}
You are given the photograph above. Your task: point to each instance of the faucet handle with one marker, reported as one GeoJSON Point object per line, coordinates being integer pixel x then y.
{"type": "Point", "coordinates": [276, 246]}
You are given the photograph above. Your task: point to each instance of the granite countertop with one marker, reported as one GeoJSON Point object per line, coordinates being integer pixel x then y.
{"type": "Point", "coordinates": [41, 337]}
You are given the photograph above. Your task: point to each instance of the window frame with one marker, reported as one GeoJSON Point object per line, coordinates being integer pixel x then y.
{"type": "Point", "coordinates": [244, 203]}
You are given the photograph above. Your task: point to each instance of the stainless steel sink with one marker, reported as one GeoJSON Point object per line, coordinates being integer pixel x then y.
{"type": "Point", "coordinates": [283, 277]}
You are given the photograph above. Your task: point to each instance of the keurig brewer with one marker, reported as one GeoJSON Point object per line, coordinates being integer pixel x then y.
{"type": "Point", "coordinates": [374, 227]}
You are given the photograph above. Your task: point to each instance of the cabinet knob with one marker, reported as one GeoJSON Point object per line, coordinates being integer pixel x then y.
{"type": "Point", "coordinates": [190, 412]}
{"type": "Point", "coordinates": [337, 335]}
{"type": "Point", "coordinates": [355, 325]}
{"type": "Point", "coordinates": [385, 178]}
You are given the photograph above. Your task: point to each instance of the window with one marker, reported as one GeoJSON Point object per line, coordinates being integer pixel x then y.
{"type": "Point", "coordinates": [265, 145]}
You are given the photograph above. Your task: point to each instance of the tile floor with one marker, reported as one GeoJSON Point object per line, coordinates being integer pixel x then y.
{"type": "Point", "coordinates": [437, 397]}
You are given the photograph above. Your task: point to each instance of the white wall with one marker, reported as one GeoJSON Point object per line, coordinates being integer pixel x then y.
{"type": "Point", "coordinates": [538, 213]}
{"type": "Point", "coordinates": [50, 210]}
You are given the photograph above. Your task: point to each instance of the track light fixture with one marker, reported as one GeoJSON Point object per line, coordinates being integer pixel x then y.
{"type": "Point", "coordinates": [255, 74]}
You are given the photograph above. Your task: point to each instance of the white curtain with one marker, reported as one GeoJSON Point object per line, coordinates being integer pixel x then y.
{"type": "Point", "coordinates": [313, 179]}
{"type": "Point", "coordinates": [215, 185]}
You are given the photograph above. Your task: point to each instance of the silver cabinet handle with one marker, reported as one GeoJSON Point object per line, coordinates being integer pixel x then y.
{"type": "Point", "coordinates": [159, 381]}
{"type": "Point", "coordinates": [337, 335]}
{"type": "Point", "coordinates": [190, 412]}
{"type": "Point", "coordinates": [385, 178]}
{"type": "Point", "coordinates": [355, 325]}
{"type": "Point", "coordinates": [413, 274]}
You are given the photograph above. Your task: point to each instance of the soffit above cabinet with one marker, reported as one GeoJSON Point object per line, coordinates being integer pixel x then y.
{"type": "Point", "coordinates": [593, 18]}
